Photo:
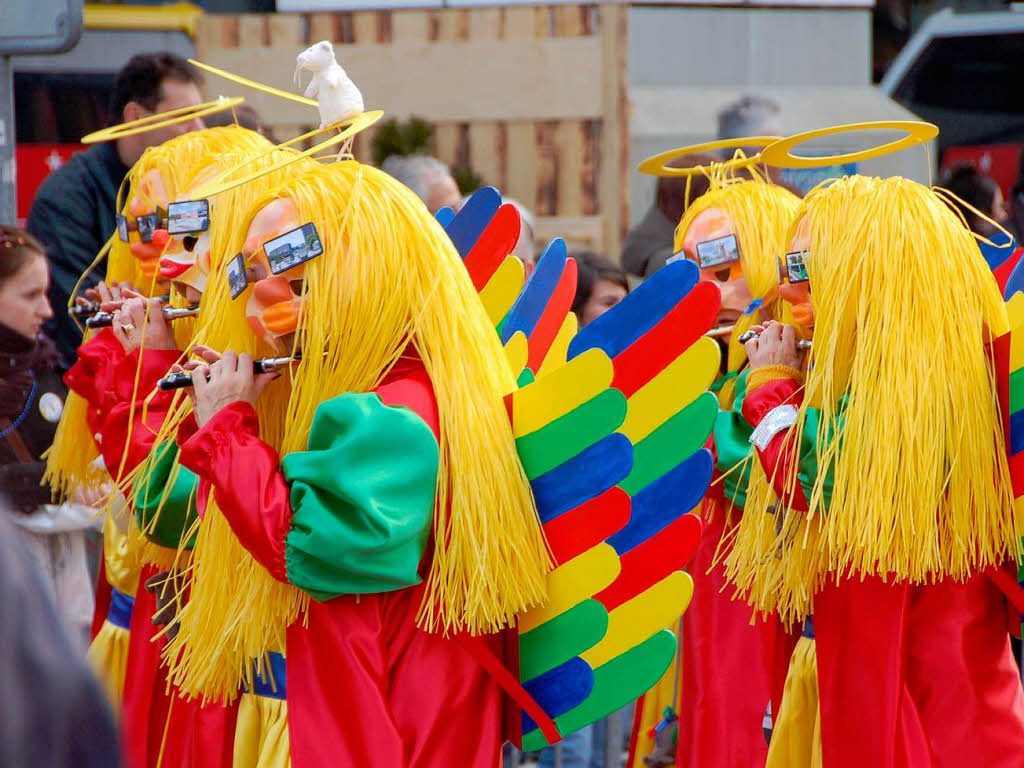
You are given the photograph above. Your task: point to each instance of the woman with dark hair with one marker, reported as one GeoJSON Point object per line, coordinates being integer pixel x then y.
{"type": "Point", "coordinates": [600, 285]}
{"type": "Point", "coordinates": [31, 401]}
{"type": "Point", "coordinates": [980, 192]}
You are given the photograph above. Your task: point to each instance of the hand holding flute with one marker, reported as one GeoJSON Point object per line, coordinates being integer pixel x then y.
{"type": "Point", "coordinates": [102, 297]}
{"type": "Point", "coordinates": [141, 322]}
{"type": "Point", "coordinates": [774, 344]}
{"type": "Point", "coordinates": [221, 380]}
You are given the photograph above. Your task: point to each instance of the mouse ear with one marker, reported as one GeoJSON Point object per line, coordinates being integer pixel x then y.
{"type": "Point", "coordinates": [324, 45]}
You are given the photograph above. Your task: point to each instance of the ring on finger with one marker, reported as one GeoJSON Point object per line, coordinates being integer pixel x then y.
{"type": "Point", "coordinates": [127, 327]}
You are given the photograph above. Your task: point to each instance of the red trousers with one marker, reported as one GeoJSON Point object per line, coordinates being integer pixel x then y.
{"type": "Point", "coordinates": [917, 676]}
{"type": "Point", "coordinates": [161, 729]}
{"type": "Point", "coordinates": [727, 666]}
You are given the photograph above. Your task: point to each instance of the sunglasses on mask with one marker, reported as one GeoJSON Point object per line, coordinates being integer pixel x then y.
{"type": "Point", "coordinates": [185, 218]}
{"type": "Point", "coordinates": [284, 252]}
{"type": "Point", "coordinates": [713, 253]}
{"type": "Point", "coordinates": [794, 269]}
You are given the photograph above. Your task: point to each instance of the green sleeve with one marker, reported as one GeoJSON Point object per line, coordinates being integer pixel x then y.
{"type": "Point", "coordinates": [808, 470]}
{"type": "Point", "coordinates": [732, 446]}
{"type": "Point", "coordinates": [362, 498]}
{"type": "Point", "coordinates": [165, 525]}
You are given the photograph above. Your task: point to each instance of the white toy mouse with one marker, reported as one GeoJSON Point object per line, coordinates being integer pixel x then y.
{"type": "Point", "coordinates": [339, 98]}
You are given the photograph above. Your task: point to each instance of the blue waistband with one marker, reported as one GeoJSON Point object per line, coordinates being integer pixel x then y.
{"type": "Point", "coordinates": [120, 613]}
{"type": "Point", "coordinates": [272, 683]}
{"type": "Point", "coordinates": [808, 628]}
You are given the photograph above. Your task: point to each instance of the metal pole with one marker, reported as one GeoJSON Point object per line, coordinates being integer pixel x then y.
{"type": "Point", "coordinates": [8, 198]}
{"type": "Point", "coordinates": [613, 740]}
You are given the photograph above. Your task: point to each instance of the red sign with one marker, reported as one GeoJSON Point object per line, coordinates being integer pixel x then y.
{"type": "Point", "coordinates": [1000, 161]}
{"type": "Point", "coordinates": [34, 162]}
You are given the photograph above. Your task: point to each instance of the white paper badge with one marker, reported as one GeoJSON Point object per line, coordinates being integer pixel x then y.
{"type": "Point", "coordinates": [51, 407]}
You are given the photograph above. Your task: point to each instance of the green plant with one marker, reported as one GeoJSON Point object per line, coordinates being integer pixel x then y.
{"type": "Point", "coordinates": [467, 179]}
{"type": "Point", "coordinates": [414, 136]}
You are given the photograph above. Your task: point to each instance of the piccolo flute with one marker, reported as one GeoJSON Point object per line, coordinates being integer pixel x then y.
{"type": "Point", "coordinates": [97, 307]}
{"type": "Point", "coordinates": [262, 365]}
{"type": "Point", "coordinates": [106, 319]}
{"type": "Point", "coordinates": [745, 337]}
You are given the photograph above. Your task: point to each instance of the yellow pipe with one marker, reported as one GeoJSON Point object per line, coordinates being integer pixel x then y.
{"type": "Point", "coordinates": [181, 16]}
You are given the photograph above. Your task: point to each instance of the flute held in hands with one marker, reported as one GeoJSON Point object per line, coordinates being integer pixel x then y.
{"type": "Point", "coordinates": [263, 365]}
{"type": "Point", "coordinates": [744, 338]}
{"type": "Point", "coordinates": [106, 319]}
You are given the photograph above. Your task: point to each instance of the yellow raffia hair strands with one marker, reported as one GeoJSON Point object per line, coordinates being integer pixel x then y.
{"type": "Point", "coordinates": [916, 486]}
{"type": "Point", "coordinates": [389, 280]}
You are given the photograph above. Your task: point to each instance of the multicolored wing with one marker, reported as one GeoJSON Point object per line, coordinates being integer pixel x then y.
{"type": "Point", "coordinates": [612, 442]}
{"type": "Point", "coordinates": [1004, 259]}
{"type": "Point", "coordinates": [540, 312]}
{"type": "Point", "coordinates": [1009, 362]}
{"type": "Point", "coordinates": [532, 319]}
{"type": "Point", "coordinates": [485, 233]}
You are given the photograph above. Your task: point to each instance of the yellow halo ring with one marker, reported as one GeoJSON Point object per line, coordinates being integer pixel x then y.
{"type": "Point", "coordinates": [657, 165]}
{"type": "Point", "coordinates": [780, 154]}
{"type": "Point", "coordinates": [224, 182]}
{"type": "Point", "coordinates": [253, 84]}
{"type": "Point", "coordinates": [161, 120]}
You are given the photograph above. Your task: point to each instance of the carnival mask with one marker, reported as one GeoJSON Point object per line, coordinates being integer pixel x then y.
{"type": "Point", "coordinates": [794, 284]}
{"type": "Point", "coordinates": [143, 224]}
{"type": "Point", "coordinates": [711, 242]}
{"type": "Point", "coordinates": [276, 249]}
{"type": "Point", "coordinates": [186, 260]}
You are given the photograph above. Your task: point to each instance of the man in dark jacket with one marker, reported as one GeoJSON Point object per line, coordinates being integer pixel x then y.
{"type": "Point", "coordinates": [74, 209]}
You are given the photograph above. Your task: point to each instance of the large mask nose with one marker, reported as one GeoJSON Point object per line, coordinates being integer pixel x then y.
{"type": "Point", "coordinates": [794, 294]}
{"type": "Point", "coordinates": [272, 290]}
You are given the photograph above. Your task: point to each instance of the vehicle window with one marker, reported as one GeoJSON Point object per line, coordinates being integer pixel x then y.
{"type": "Point", "coordinates": [59, 108]}
{"type": "Point", "coordinates": [969, 72]}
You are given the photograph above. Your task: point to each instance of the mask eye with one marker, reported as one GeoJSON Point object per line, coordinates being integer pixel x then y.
{"type": "Point", "coordinates": [189, 242]}
{"type": "Point", "coordinates": [297, 286]}
{"type": "Point", "coordinates": [722, 275]}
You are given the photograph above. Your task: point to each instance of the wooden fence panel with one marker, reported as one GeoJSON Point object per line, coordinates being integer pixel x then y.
{"type": "Point", "coordinates": [532, 98]}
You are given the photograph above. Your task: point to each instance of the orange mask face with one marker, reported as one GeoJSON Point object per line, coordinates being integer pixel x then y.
{"type": "Point", "coordinates": [798, 294]}
{"type": "Point", "coordinates": [711, 242]}
{"type": "Point", "coordinates": [274, 309]}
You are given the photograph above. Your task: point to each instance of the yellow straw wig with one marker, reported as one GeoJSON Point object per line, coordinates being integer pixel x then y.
{"type": "Point", "coordinates": [900, 401]}
{"type": "Point", "coordinates": [389, 280]}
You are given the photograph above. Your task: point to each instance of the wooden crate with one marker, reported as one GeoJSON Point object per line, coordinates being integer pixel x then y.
{"type": "Point", "coordinates": [532, 98]}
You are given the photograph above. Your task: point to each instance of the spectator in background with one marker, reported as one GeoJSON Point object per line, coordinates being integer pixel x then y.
{"type": "Point", "coordinates": [428, 177]}
{"type": "Point", "coordinates": [242, 115]}
{"type": "Point", "coordinates": [1015, 223]}
{"type": "Point", "coordinates": [52, 713]}
{"type": "Point", "coordinates": [978, 191]}
{"type": "Point", "coordinates": [31, 400]}
{"type": "Point", "coordinates": [599, 287]}
{"type": "Point", "coordinates": [74, 209]}
{"type": "Point", "coordinates": [649, 244]}
{"type": "Point", "coordinates": [750, 115]}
